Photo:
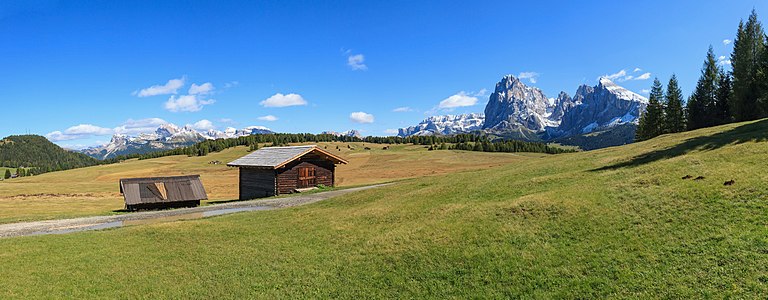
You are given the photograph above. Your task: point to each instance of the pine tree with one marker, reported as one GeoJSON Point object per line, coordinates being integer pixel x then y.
{"type": "Point", "coordinates": [652, 121]}
{"type": "Point", "coordinates": [701, 108]}
{"type": "Point", "coordinates": [723, 99]}
{"type": "Point", "coordinates": [747, 51]}
{"type": "Point", "coordinates": [7, 173]}
{"type": "Point", "coordinates": [674, 116]}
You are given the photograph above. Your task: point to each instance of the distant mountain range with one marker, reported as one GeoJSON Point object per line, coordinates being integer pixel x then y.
{"type": "Point", "coordinates": [445, 125]}
{"type": "Point", "coordinates": [165, 137]}
{"type": "Point", "coordinates": [600, 116]}
{"type": "Point", "coordinates": [349, 133]}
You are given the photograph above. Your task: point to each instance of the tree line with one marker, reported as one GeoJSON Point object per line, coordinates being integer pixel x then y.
{"type": "Point", "coordinates": [467, 142]}
{"type": "Point", "coordinates": [721, 96]}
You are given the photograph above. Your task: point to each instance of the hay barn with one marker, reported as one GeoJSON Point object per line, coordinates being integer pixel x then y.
{"type": "Point", "coordinates": [282, 170]}
{"type": "Point", "coordinates": [162, 192]}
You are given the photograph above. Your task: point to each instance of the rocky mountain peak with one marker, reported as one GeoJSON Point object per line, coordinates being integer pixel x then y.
{"type": "Point", "coordinates": [515, 104]}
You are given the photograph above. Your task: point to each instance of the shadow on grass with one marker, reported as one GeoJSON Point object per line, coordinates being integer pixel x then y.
{"type": "Point", "coordinates": [752, 132]}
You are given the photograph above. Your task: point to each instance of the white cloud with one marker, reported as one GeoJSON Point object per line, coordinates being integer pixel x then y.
{"type": "Point", "coordinates": [269, 118]}
{"type": "Point", "coordinates": [361, 117]}
{"type": "Point", "coordinates": [133, 127]}
{"type": "Point", "coordinates": [226, 120]}
{"type": "Point", "coordinates": [189, 103]}
{"type": "Point", "coordinates": [78, 132]}
{"type": "Point", "coordinates": [616, 76]}
{"type": "Point", "coordinates": [170, 87]}
{"type": "Point", "coordinates": [622, 76]}
{"type": "Point", "coordinates": [203, 89]}
{"type": "Point", "coordinates": [644, 76]}
{"type": "Point", "coordinates": [645, 91]}
{"type": "Point", "coordinates": [531, 76]}
{"type": "Point", "coordinates": [231, 84]}
{"type": "Point", "coordinates": [203, 125]}
{"type": "Point", "coordinates": [727, 42]}
{"type": "Point", "coordinates": [280, 100]}
{"type": "Point", "coordinates": [391, 131]}
{"type": "Point", "coordinates": [482, 93]}
{"type": "Point", "coordinates": [462, 99]}
{"type": "Point", "coordinates": [723, 61]}
{"type": "Point", "coordinates": [356, 62]}
{"type": "Point", "coordinates": [403, 109]}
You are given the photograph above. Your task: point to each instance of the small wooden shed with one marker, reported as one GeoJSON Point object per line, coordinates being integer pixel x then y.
{"type": "Point", "coordinates": [282, 170]}
{"type": "Point", "coordinates": [162, 192]}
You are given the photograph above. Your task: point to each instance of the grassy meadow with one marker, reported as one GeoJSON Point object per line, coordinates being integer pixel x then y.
{"type": "Point", "coordinates": [611, 223]}
{"type": "Point", "coordinates": [95, 190]}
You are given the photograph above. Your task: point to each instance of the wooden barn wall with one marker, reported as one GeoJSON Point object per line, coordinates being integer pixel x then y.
{"type": "Point", "coordinates": [288, 176]}
{"type": "Point", "coordinates": [256, 183]}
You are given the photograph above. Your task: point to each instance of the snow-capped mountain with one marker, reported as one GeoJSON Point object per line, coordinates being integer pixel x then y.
{"type": "Point", "coordinates": [514, 104]}
{"type": "Point", "coordinates": [349, 133]}
{"type": "Point", "coordinates": [599, 108]}
{"type": "Point", "coordinates": [165, 137]}
{"type": "Point", "coordinates": [516, 110]}
{"type": "Point", "coordinates": [444, 125]}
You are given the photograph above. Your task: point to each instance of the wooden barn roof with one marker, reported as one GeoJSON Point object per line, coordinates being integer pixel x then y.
{"type": "Point", "coordinates": [276, 157]}
{"type": "Point", "coordinates": [162, 189]}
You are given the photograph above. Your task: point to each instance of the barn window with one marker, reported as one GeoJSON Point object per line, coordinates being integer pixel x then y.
{"type": "Point", "coordinates": [306, 177]}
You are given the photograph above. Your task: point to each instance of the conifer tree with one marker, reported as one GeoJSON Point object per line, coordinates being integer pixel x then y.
{"type": "Point", "coordinates": [674, 115]}
{"type": "Point", "coordinates": [723, 99]}
{"type": "Point", "coordinates": [7, 173]}
{"type": "Point", "coordinates": [747, 51]}
{"type": "Point", "coordinates": [652, 121]}
{"type": "Point", "coordinates": [701, 107]}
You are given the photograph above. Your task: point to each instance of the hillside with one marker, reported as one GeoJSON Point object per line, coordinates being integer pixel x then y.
{"type": "Point", "coordinates": [37, 152]}
{"type": "Point", "coordinates": [611, 223]}
{"type": "Point", "coordinates": [94, 190]}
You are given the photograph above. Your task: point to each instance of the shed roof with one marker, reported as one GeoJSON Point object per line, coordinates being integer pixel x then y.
{"type": "Point", "coordinates": [276, 157]}
{"type": "Point", "coordinates": [162, 189]}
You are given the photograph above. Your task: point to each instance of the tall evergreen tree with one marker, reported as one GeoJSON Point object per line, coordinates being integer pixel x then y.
{"type": "Point", "coordinates": [7, 173]}
{"type": "Point", "coordinates": [701, 108]}
{"type": "Point", "coordinates": [674, 115]}
{"type": "Point", "coordinates": [747, 51]}
{"type": "Point", "coordinates": [723, 99]}
{"type": "Point", "coordinates": [652, 121]}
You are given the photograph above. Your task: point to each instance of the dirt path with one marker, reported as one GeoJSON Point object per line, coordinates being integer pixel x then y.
{"type": "Point", "coordinates": [102, 222]}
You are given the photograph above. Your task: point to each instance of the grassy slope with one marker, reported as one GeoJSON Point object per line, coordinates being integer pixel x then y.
{"type": "Point", "coordinates": [94, 190]}
{"type": "Point", "coordinates": [616, 222]}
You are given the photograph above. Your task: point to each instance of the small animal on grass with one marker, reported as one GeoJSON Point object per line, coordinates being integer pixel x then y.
{"type": "Point", "coordinates": [687, 177]}
{"type": "Point", "coordinates": [385, 148]}
{"type": "Point", "coordinates": [699, 178]}
{"type": "Point", "coordinates": [367, 148]}
{"type": "Point", "coordinates": [729, 182]}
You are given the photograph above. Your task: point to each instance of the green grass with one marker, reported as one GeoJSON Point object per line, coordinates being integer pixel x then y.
{"type": "Point", "coordinates": [611, 223]}
{"type": "Point", "coordinates": [94, 190]}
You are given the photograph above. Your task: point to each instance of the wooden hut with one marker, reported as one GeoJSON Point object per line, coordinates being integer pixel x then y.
{"type": "Point", "coordinates": [282, 170]}
{"type": "Point", "coordinates": [162, 192]}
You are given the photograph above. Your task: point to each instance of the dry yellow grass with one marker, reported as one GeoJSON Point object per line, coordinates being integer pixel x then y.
{"type": "Point", "coordinates": [94, 190]}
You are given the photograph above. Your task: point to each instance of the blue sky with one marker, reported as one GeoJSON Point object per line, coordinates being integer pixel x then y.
{"type": "Point", "coordinates": [114, 66]}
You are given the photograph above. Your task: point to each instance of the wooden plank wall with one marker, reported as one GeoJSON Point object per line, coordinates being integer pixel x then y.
{"type": "Point", "coordinates": [256, 183]}
{"type": "Point", "coordinates": [288, 177]}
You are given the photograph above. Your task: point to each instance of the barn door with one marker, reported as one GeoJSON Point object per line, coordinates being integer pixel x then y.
{"type": "Point", "coordinates": [306, 177]}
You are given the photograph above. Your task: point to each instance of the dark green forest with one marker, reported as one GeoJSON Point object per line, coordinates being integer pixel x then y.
{"type": "Point", "coordinates": [40, 155]}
